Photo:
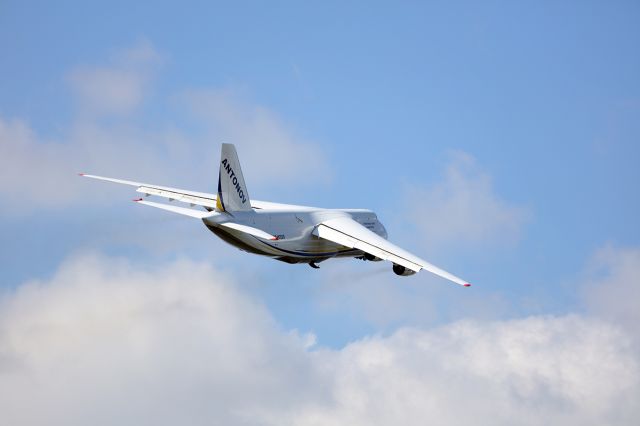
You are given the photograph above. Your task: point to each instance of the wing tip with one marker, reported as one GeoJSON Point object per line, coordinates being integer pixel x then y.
{"type": "Point", "coordinates": [81, 174]}
{"type": "Point", "coordinates": [137, 200]}
{"type": "Point", "coordinates": [466, 285]}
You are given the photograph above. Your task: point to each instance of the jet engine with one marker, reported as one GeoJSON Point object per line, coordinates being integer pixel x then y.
{"type": "Point", "coordinates": [401, 270]}
{"type": "Point", "coordinates": [371, 258]}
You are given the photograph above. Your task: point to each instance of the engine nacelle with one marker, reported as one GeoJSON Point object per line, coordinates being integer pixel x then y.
{"type": "Point", "coordinates": [371, 258]}
{"type": "Point", "coordinates": [401, 270]}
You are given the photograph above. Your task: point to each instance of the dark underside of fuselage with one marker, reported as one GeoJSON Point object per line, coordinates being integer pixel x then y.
{"type": "Point", "coordinates": [231, 239]}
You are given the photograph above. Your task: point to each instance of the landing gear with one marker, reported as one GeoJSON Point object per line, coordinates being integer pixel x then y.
{"type": "Point", "coordinates": [313, 265]}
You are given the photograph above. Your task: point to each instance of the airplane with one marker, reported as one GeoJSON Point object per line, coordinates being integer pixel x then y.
{"type": "Point", "coordinates": [286, 232]}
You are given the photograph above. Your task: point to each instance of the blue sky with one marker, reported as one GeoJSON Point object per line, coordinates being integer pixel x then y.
{"type": "Point", "coordinates": [499, 140]}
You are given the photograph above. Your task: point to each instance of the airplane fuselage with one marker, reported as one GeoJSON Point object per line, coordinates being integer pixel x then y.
{"type": "Point", "coordinates": [294, 228]}
{"type": "Point", "coordinates": [286, 232]}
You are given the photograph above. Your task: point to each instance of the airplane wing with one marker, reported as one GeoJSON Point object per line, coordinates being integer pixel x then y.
{"type": "Point", "coordinates": [194, 198]}
{"type": "Point", "coordinates": [183, 195]}
{"type": "Point", "coordinates": [349, 233]}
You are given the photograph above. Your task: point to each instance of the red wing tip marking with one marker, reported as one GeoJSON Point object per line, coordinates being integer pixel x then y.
{"type": "Point", "coordinates": [274, 239]}
{"type": "Point", "coordinates": [467, 285]}
{"type": "Point", "coordinates": [80, 174]}
{"type": "Point", "coordinates": [137, 199]}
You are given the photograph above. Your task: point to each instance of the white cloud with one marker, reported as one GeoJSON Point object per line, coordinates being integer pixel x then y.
{"type": "Point", "coordinates": [539, 370]}
{"type": "Point", "coordinates": [105, 137]}
{"type": "Point", "coordinates": [612, 290]}
{"type": "Point", "coordinates": [463, 209]}
{"type": "Point", "coordinates": [106, 342]}
{"type": "Point", "coordinates": [119, 87]}
{"type": "Point", "coordinates": [36, 172]}
{"type": "Point", "coordinates": [270, 151]}
{"type": "Point", "coordinates": [39, 171]}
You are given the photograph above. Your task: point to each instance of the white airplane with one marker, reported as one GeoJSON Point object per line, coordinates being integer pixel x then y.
{"type": "Point", "coordinates": [290, 233]}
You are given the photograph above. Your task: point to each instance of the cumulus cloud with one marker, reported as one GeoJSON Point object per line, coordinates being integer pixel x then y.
{"type": "Point", "coordinates": [105, 342]}
{"type": "Point", "coordinates": [613, 286]}
{"type": "Point", "coordinates": [463, 209]}
{"type": "Point", "coordinates": [107, 137]}
{"type": "Point", "coordinates": [539, 370]}
{"type": "Point", "coordinates": [271, 151]}
{"type": "Point", "coordinates": [38, 172]}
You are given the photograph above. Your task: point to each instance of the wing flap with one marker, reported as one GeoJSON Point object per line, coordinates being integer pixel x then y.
{"type": "Point", "coordinates": [183, 197]}
{"type": "Point", "coordinates": [331, 230]}
{"type": "Point", "coordinates": [349, 233]}
{"type": "Point", "coordinates": [192, 197]}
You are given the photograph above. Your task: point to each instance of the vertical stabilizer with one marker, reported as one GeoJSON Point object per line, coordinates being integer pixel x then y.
{"type": "Point", "coordinates": [232, 191]}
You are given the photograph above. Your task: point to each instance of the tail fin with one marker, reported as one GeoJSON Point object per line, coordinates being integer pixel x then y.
{"type": "Point", "coordinates": [232, 191]}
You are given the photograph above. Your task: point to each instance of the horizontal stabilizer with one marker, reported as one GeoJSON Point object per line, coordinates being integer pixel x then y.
{"type": "Point", "coordinates": [248, 230]}
{"type": "Point", "coordinates": [198, 214]}
{"type": "Point", "coordinates": [210, 215]}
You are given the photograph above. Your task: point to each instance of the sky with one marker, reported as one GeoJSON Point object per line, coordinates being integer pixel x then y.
{"type": "Point", "coordinates": [498, 140]}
